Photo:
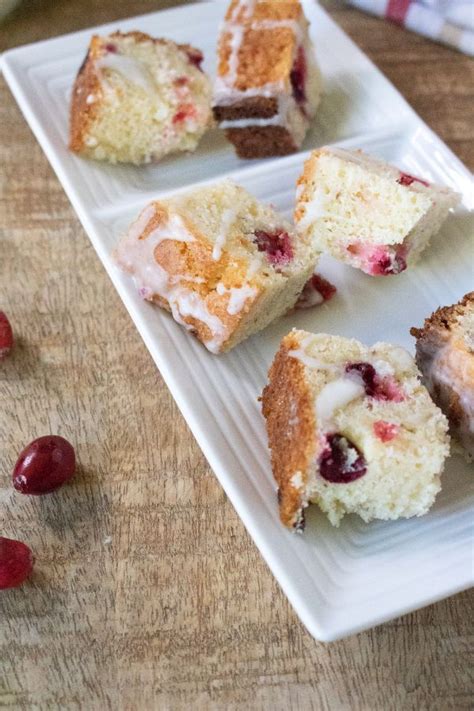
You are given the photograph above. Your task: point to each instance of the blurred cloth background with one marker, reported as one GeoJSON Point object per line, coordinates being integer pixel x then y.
{"type": "Point", "coordinates": [448, 21]}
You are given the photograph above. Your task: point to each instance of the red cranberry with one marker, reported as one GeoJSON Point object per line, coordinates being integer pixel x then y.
{"type": "Point", "coordinates": [380, 388]}
{"type": "Point", "coordinates": [389, 389]}
{"type": "Point", "coordinates": [325, 288]}
{"type": "Point", "coordinates": [185, 111]}
{"type": "Point", "coordinates": [298, 77]}
{"type": "Point", "coordinates": [110, 47]}
{"type": "Point", "coordinates": [385, 431]}
{"type": "Point", "coordinates": [367, 373]}
{"type": "Point", "coordinates": [341, 461]}
{"type": "Point", "coordinates": [407, 179]}
{"type": "Point", "coordinates": [16, 563]}
{"type": "Point", "coordinates": [316, 290]}
{"type": "Point", "coordinates": [44, 465]}
{"type": "Point", "coordinates": [195, 57]}
{"type": "Point", "coordinates": [6, 336]}
{"type": "Point", "coordinates": [277, 246]}
{"type": "Point", "coordinates": [181, 81]}
{"type": "Point", "coordinates": [390, 263]}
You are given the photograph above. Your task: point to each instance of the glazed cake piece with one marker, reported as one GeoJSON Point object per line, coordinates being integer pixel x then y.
{"type": "Point", "coordinates": [136, 99]}
{"type": "Point", "coordinates": [445, 356]}
{"type": "Point", "coordinates": [221, 262]}
{"type": "Point", "coordinates": [351, 429]}
{"type": "Point", "coordinates": [268, 84]}
{"type": "Point", "coordinates": [367, 213]}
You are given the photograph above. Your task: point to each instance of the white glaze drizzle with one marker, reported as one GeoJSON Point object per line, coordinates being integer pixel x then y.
{"type": "Point", "coordinates": [297, 480]}
{"type": "Point", "coordinates": [224, 95]}
{"type": "Point", "coordinates": [228, 218]}
{"type": "Point", "coordinates": [333, 396]}
{"type": "Point", "coordinates": [131, 69]}
{"type": "Point", "coordinates": [238, 296]}
{"type": "Point", "coordinates": [246, 5]}
{"type": "Point", "coordinates": [309, 361]}
{"type": "Point", "coordinates": [314, 210]}
{"type": "Point", "coordinates": [137, 256]}
{"type": "Point", "coordinates": [255, 264]}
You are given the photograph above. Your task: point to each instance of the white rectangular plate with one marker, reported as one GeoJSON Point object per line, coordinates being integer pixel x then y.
{"type": "Point", "coordinates": [339, 581]}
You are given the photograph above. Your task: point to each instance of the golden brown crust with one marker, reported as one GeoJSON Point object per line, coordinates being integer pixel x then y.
{"type": "Point", "coordinates": [87, 82]}
{"type": "Point", "coordinates": [265, 55]}
{"type": "Point", "coordinates": [194, 259]}
{"type": "Point", "coordinates": [304, 183]}
{"type": "Point", "coordinates": [445, 319]}
{"type": "Point", "coordinates": [261, 141]}
{"type": "Point", "coordinates": [288, 408]}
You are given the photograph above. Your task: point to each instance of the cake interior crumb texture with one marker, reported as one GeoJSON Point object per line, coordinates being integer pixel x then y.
{"type": "Point", "coordinates": [136, 99]}
{"type": "Point", "coordinates": [445, 356]}
{"type": "Point", "coordinates": [367, 213]}
{"type": "Point", "coordinates": [268, 84]}
{"type": "Point", "coordinates": [352, 429]}
{"type": "Point", "coordinates": [224, 264]}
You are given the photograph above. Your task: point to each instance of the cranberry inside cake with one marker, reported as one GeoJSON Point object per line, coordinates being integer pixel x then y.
{"type": "Point", "coordinates": [352, 429]}
{"type": "Point", "coordinates": [224, 264]}
{"type": "Point", "coordinates": [367, 213]}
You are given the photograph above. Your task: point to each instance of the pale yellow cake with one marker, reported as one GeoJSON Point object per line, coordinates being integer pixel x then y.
{"type": "Point", "coordinates": [224, 264]}
{"type": "Point", "coordinates": [352, 429]}
{"type": "Point", "coordinates": [136, 99]}
{"type": "Point", "coordinates": [367, 213]}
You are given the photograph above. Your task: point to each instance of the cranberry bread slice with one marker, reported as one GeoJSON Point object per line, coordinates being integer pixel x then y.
{"type": "Point", "coordinates": [367, 213]}
{"type": "Point", "coordinates": [445, 356]}
{"type": "Point", "coordinates": [351, 429]}
{"type": "Point", "coordinates": [268, 85]}
{"type": "Point", "coordinates": [136, 99]}
{"type": "Point", "coordinates": [224, 264]}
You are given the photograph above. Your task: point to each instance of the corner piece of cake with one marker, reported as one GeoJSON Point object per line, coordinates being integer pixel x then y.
{"type": "Point", "coordinates": [352, 429]}
{"type": "Point", "coordinates": [445, 356]}
{"type": "Point", "coordinates": [268, 84]}
{"type": "Point", "coordinates": [367, 213]}
{"type": "Point", "coordinates": [136, 99]}
{"type": "Point", "coordinates": [224, 264]}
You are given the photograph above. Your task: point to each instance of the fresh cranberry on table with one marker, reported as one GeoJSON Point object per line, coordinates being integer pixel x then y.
{"type": "Point", "coordinates": [6, 336]}
{"type": "Point", "coordinates": [16, 563]}
{"type": "Point", "coordinates": [44, 465]}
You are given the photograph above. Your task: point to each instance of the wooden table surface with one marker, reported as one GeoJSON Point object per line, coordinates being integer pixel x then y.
{"type": "Point", "coordinates": [147, 591]}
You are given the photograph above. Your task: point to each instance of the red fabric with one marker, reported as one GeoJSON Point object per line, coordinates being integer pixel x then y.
{"type": "Point", "coordinates": [397, 10]}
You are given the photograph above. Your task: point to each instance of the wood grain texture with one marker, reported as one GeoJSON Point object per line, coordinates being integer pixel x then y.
{"type": "Point", "coordinates": [147, 592]}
